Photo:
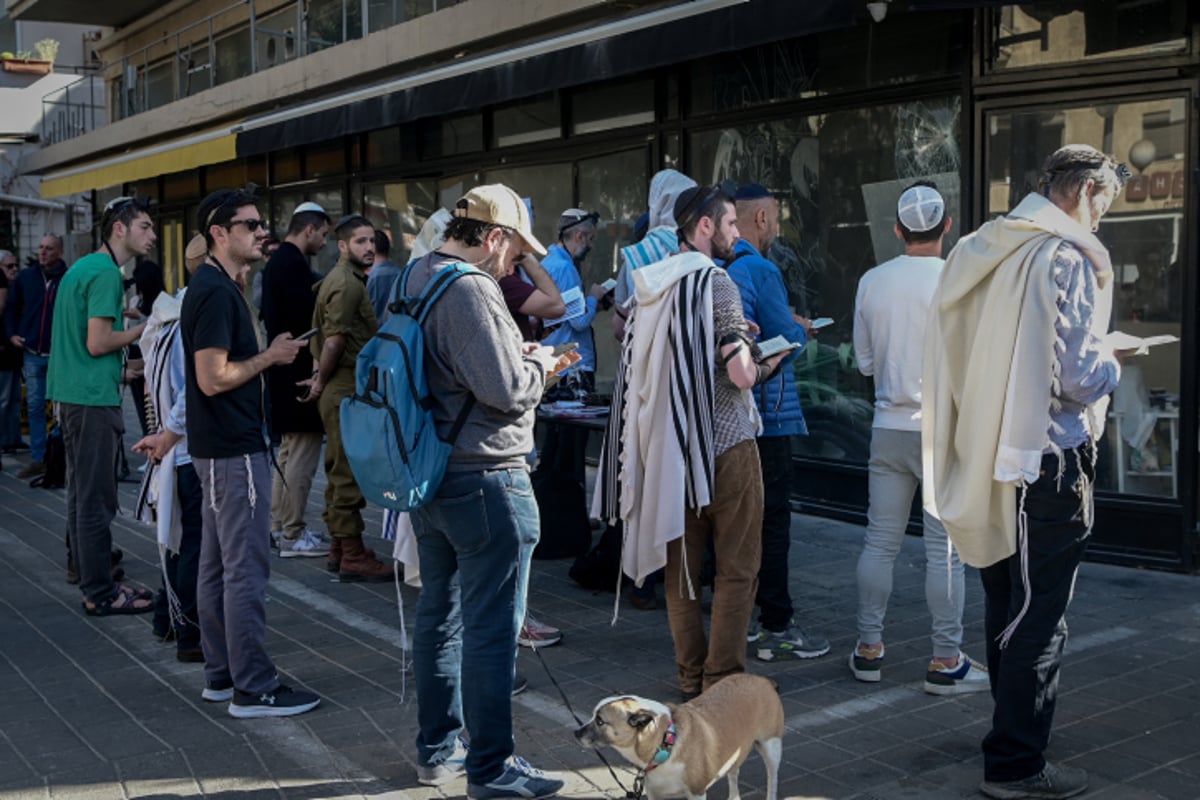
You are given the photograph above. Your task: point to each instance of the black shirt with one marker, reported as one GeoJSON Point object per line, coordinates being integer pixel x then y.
{"type": "Point", "coordinates": [215, 314]}
{"type": "Point", "coordinates": [288, 299]}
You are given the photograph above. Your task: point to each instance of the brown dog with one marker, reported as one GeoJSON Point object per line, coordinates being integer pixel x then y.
{"type": "Point", "coordinates": [711, 736]}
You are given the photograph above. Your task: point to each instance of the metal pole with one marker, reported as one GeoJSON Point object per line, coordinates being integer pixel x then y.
{"type": "Point", "coordinates": [212, 56]}
{"type": "Point", "coordinates": [253, 40]}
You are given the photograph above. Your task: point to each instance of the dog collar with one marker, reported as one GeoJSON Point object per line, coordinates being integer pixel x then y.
{"type": "Point", "coordinates": [664, 749]}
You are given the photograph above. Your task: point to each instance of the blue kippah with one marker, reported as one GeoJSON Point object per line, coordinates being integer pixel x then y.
{"type": "Point", "coordinates": [752, 191]}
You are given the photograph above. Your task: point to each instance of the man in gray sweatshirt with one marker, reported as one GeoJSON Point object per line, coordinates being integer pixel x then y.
{"type": "Point", "coordinates": [476, 537]}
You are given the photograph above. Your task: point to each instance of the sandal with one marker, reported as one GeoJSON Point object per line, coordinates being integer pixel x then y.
{"type": "Point", "coordinates": [122, 602]}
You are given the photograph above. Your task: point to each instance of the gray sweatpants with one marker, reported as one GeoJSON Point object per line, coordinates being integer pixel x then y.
{"type": "Point", "coordinates": [235, 565]}
{"type": "Point", "coordinates": [91, 436]}
{"type": "Point", "coordinates": [895, 473]}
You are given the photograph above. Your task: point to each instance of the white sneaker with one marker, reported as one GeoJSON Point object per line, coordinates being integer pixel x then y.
{"type": "Point", "coordinates": [276, 536]}
{"type": "Point", "coordinates": [306, 545]}
{"type": "Point", "coordinates": [969, 676]}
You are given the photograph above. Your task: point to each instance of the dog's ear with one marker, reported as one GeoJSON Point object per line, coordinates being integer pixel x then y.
{"type": "Point", "coordinates": [640, 719]}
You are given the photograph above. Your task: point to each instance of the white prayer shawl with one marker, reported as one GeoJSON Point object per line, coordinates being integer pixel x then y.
{"type": "Point", "coordinates": [990, 370]}
{"type": "Point", "coordinates": [157, 499]}
{"type": "Point", "coordinates": [398, 529]}
{"type": "Point", "coordinates": [657, 461]}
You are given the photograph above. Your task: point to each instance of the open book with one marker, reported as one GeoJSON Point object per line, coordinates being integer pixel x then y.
{"type": "Point", "coordinates": [1119, 340]}
{"type": "Point", "coordinates": [776, 345]}
{"type": "Point", "coordinates": [576, 306]}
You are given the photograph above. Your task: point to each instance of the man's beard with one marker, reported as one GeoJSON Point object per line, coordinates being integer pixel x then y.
{"type": "Point", "coordinates": [494, 265]}
{"type": "Point", "coordinates": [722, 249]}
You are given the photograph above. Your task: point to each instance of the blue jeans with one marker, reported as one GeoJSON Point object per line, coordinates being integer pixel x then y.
{"type": "Point", "coordinates": [475, 541]}
{"type": "Point", "coordinates": [35, 397]}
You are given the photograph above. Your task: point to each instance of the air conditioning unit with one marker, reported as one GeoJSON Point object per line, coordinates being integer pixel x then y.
{"type": "Point", "coordinates": [277, 48]}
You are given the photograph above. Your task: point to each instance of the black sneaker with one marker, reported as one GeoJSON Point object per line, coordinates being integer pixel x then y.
{"type": "Point", "coordinates": [284, 701]}
{"type": "Point", "coordinates": [1052, 783]}
{"type": "Point", "coordinates": [218, 691]}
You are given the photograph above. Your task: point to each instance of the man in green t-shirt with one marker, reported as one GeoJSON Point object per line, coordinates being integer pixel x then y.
{"type": "Point", "coordinates": [84, 378]}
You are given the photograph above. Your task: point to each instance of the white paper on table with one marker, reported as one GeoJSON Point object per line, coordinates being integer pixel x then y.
{"type": "Point", "coordinates": [576, 306]}
{"type": "Point", "coordinates": [1119, 340]}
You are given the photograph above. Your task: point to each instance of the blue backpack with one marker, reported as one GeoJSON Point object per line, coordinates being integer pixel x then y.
{"type": "Point", "coordinates": [387, 425]}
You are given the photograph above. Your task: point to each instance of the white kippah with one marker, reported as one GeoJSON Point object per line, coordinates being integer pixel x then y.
{"type": "Point", "coordinates": [921, 208]}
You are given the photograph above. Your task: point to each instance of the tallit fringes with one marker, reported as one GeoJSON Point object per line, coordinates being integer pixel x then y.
{"type": "Point", "coordinates": [1023, 553]}
{"type": "Point", "coordinates": [251, 492]}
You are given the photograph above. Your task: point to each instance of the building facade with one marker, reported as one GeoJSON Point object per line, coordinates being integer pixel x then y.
{"type": "Point", "coordinates": [393, 108]}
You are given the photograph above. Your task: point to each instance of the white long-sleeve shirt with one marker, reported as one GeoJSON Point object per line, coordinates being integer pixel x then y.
{"type": "Point", "coordinates": [890, 313]}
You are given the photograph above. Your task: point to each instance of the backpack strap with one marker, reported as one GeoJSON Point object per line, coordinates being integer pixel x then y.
{"type": "Point", "coordinates": [420, 307]}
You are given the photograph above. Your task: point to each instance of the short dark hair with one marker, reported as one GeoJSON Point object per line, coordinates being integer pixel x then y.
{"type": "Point", "coordinates": [304, 219]}
{"type": "Point", "coordinates": [922, 237]}
{"type": "Point", "coordinates": [383, 244]}
{"type": "Point", "coordinates": [347, 225]}
{"type": "Point", "coordinates": [700, 202]}
{"type": "Point", "coordinates": [123, 210]}
{"type": "Point", "coordinates": [219, 208]}
{"type": "Point", "coordinates": [471, 232]}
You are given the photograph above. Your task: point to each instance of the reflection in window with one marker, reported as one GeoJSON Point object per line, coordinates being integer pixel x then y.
{"type": "Point", "coordinates": [531, 121]}
{"type": "Point", "coordinates": [615, 187]}
{"type": "Point", "coordinates": [1144, 232]}
{"type": "Point", "coordinates": [400, 209]}
{"type": "Point", "coordinates": [1048, 33]}
{"type": "Point", "coordinates": [332, 22]}
{"type": "Point", "coordinates": [233, 56]}
{"type": "Point", "coordinates": [614, 105]}
{"type": "Point", "coordinates": [160, 86]}
{"type": "Point", "coordinates": [834, 61]}
{"type": "Point", "coordinates": [448, 136]}
{"type": "Point", "coordinates": [838, 176]}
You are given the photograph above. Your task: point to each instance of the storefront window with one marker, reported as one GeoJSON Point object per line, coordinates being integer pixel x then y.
{"type": "Point", "coordinates": [1145, 233]}
{"type": "Point", "coordinates": [615, 187]}
{"type": "Point", "coordinates": [400, 208]}
{"type": "Point", "coordinates": [1035, 35]}
{"type": "Point", "coordinates": [613, 105]}
{"type": "Point", "coordinates": [847, 59]}
{"type": "Point", "coordinates": [531, 121]}
{"type": "Point", "coordinates": [838, 176]}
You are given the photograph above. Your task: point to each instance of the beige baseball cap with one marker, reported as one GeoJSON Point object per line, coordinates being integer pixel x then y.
{"type": "Point", "coordinates": [196, 248]}
{"type": "Point", "coordinates": [497, 204]}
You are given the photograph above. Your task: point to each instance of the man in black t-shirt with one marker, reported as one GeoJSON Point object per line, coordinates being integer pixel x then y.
{"type": "Point", "coordinates": [226, 431]}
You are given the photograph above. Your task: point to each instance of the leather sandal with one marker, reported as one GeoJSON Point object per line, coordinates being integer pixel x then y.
{"type": "Point", "coordinates": [122, 602]}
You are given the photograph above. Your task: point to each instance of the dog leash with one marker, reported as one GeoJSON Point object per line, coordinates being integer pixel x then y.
{"type": "Point", "coordinates": [639, 781]}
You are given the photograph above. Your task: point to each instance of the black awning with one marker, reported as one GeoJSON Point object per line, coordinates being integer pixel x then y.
{"type": "Point", "coordinates": [741, 26]}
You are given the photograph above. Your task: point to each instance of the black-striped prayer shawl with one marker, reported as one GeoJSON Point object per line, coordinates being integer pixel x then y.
{"type": "Point", "coordinates": [690, 388]}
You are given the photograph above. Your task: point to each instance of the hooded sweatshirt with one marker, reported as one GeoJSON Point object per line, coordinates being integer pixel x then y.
{"type": "Point", "coordinates": [661, 240]}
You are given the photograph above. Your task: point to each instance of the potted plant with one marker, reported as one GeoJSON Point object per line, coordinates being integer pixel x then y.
{"type": "Point", "coordinates": [38, 62]}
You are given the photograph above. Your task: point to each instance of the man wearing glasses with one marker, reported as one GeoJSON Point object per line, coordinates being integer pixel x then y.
{"type": "Point", "coordinates": [10, 367]}
{"type": "Point", "coordinates": [225, 391]}
{"type": "Point", "coordinates": [29, 318]}
{"type": "Point", "coordinates": [84, 377]}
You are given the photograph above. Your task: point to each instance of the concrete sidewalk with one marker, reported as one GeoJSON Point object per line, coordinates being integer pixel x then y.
{"type": "Point", "coordinates": [97, 708]}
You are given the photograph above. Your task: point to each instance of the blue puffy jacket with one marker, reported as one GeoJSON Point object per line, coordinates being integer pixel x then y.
{"type": "Point", "coordinates": [765, 302]}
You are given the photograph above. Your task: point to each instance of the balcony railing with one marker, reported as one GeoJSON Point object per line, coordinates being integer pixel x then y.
{"type": "Point", "coordinates": [208, 52]}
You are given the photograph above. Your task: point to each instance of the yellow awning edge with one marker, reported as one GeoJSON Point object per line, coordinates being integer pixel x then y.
{"type": "Point", "coordinates": [138, 165]}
